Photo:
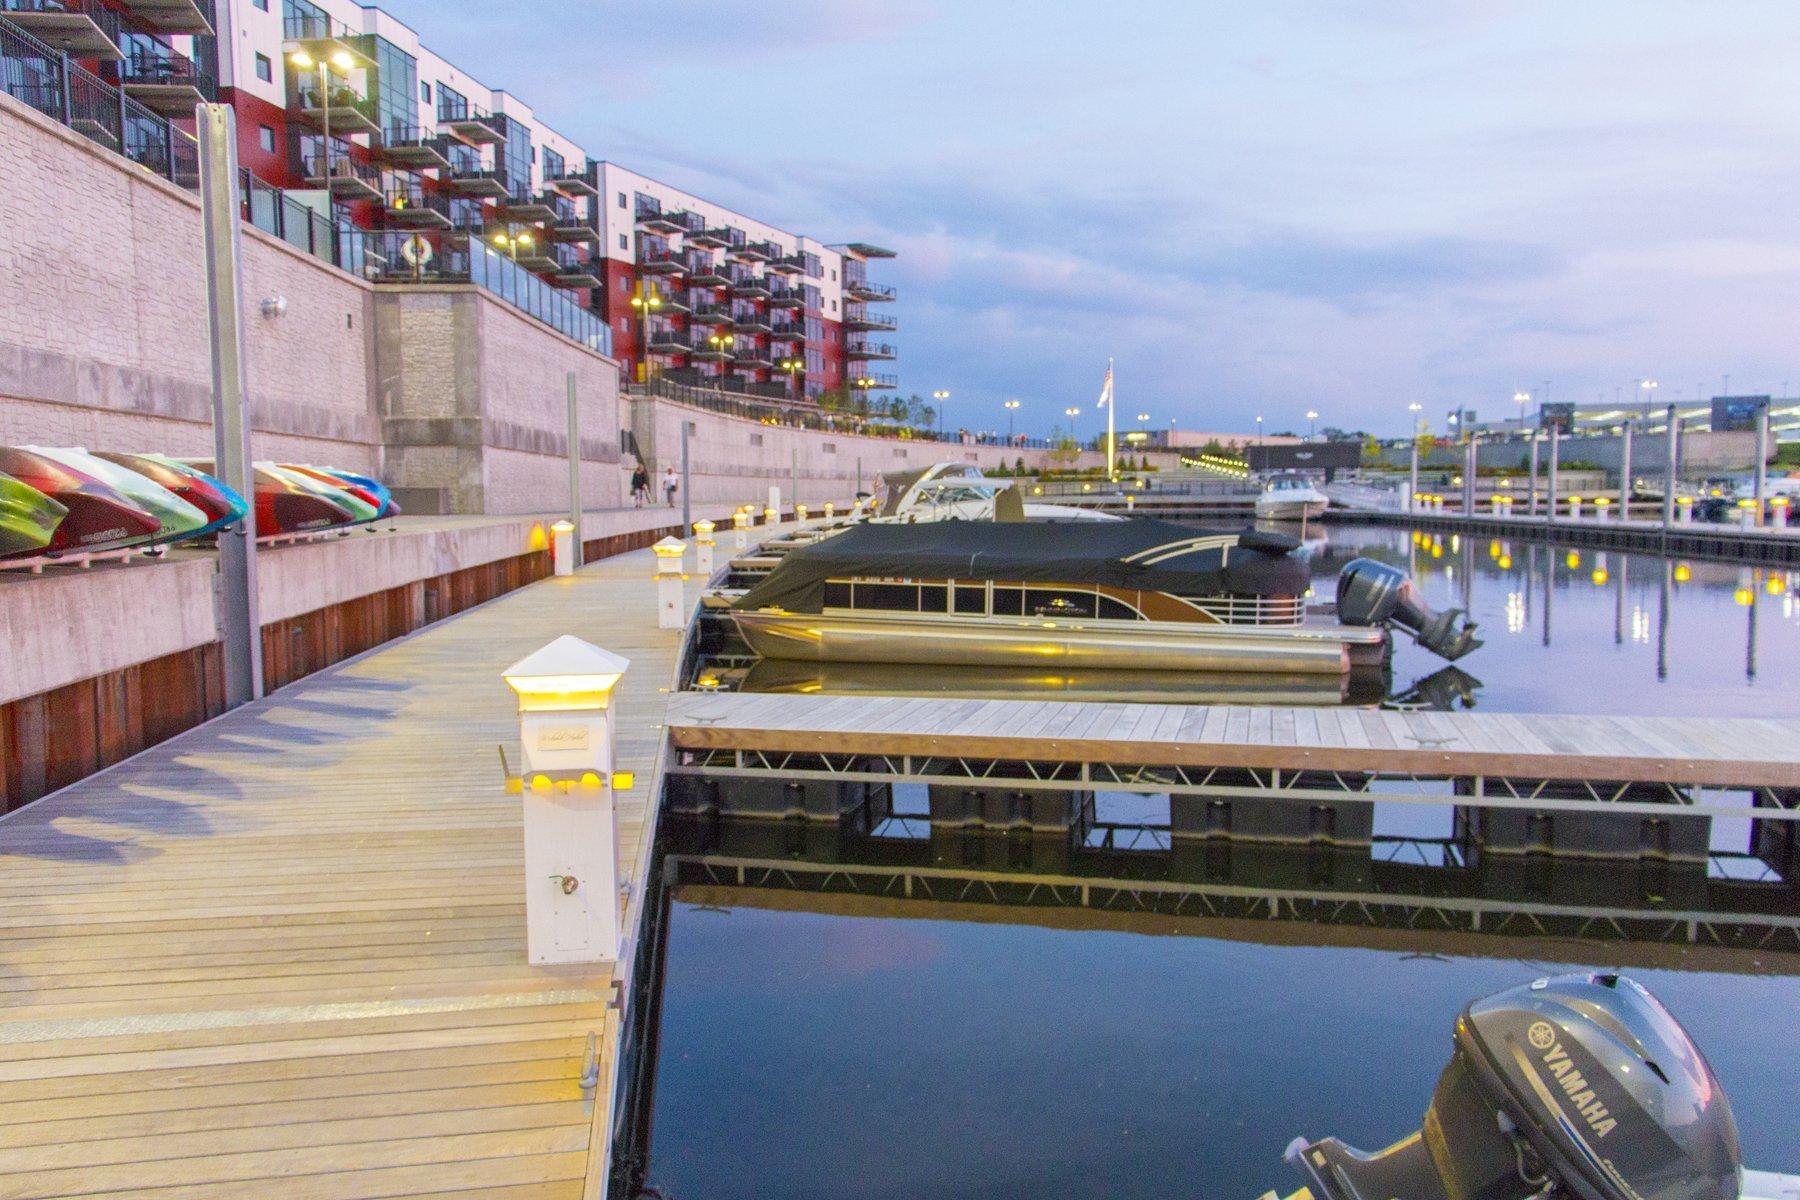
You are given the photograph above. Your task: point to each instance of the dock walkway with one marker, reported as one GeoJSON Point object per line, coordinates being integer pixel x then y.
{"type": "Point", "coordinates": [283, 954]}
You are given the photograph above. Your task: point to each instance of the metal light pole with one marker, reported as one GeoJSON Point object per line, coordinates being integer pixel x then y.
{"type": "Point", "coordinates": [1550, 481]}
{"type": "Point", "coordinates": [645, 302]}
{"type": "Point", "coordinates": [1762, 460]}
{"type": "Point", "coordinates": [1011, 406]}
{"type": "Point", "coordinates": [1669, 471]}
{"type": "Point", "coordinates": [1531, 492]}
{"type": "Point", "coordinates": [1470, 459]}
{"type": "Point", "coordinates": [940, 397]}
{"type": "Point", "coordinates": [1259, 422]}
{"type": "Point", "coordinates": [1412, 490]}
{"type": "Point", "coordinates": [216, 126]}
{"type": "Point", "coordinates": [1311, 424]}
{"type": "Point", "coordinates": [687, 491]}
{"type": "Point", "coordinates": [575, 471]}
{"type": "Point", "coordinates": [1625, 471]}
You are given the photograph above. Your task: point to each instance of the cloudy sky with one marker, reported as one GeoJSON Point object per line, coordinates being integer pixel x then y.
{"type": "Point", "coordinates": [1255, 208]}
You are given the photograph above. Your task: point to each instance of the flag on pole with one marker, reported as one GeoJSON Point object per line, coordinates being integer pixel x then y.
{"type": "Point", "coordinates": [1106, 392]}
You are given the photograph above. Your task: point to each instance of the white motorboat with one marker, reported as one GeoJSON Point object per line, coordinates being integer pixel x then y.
{"type": "Point", "coordinates": [1290, 496]}
{"type": "Point", "coordinates": [950, 491]}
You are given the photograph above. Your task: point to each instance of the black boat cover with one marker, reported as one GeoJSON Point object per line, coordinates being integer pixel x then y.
{"type": "Point", "coordinates": [1141, 555]}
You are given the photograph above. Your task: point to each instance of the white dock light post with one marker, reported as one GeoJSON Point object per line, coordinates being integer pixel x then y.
{"type": "Point", "coordinates": [740, 527]}
{"type": "Point", "coordinates": [703, 549]}
{"type": "Point", "coordinates": [800, 513]}
{"type": "Point", "coordinates": [830, 510]}
{"type": "Point", "coordinates": [566, 733]}
{"type": "Point", "coordinates": [562, 541]}
{"type": "Point", "coordinates": [774, 504]}
{"type": "Point", "coordinates": [670, 612]}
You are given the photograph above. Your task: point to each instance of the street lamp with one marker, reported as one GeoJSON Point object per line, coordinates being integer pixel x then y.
{"type": "Point", "coordinates": [1415, 408]}
{"type": "Point", "coordinates": [1012, 406]}
{"type": "Point", "coordinates": [1311, 418]}
{"type": "Point", "coordinates": [793, 366]}
{"type": "Point", "coordinates": [645, 302]}
{"type": "Point", "coordinates": [513, 243]}
{"type": "Point", "coordinates": [940, 397]}
{"type": "Point", "coordinates": [1646, 387]}
{"type": "Point", "coordinates": [1259, 431]}
{"type": "Point", "coordinates": [722, 344]}
{"type": "Point", "coordinates": [344, 62]}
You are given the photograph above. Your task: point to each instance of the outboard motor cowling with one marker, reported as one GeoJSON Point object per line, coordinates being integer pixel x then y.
{"type": "Point", "coordinates": [1374, 593]}
{"type": "Point", "coordinates": [1579, 1084]}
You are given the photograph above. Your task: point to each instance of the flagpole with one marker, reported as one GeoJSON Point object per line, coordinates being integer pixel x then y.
{"type": "Point", "coordinates": [1112, 404]}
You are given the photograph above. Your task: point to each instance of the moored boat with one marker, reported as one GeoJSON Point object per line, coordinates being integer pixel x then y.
{"type": "Point", "coordinates": [286, 505]}
{"type": "Point", "coordinates": [1129, 595]}
{"type": "Point", "coordinates": [99, 518]}
{"type": "Point", "coordinates": [221, 505]}
{"type": "Point", "coordinates": [177, 519]}
{"type": "Point", "coordinates": [1290, 496]}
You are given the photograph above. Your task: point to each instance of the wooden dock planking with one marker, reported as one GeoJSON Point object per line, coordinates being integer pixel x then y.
{"type": "Point", "coordinates": [284, 953]}
{"type": "Point", "coordinates": [1721, 751]}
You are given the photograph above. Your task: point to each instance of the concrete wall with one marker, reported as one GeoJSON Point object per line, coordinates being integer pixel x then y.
{"type": "Point", "coordinates": [474, 406]}
{"type": "Point", "coordinates": [103, 335]}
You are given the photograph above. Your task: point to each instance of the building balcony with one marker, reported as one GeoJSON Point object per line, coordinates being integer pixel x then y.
{"type": "Point", "coordinates": [661, 262]}
{"type": "Point", "coordinates": [781, 296]}
{"type": "Point", "coordinates": [573, 184]}
{"type": "Point", "coordinates": [163, 81]}
{"type": "Point", "coordinates": [532, 209]}
{"type": "Point", "coordinates": [711, 239]}
{"type": "Point", "coordinates": [749, 356]}
{"type": "Point", "coordinates": [410, 146]}
{"type": "Point", "coordinates": [651, 216]}
{"type": "Point", "coordinates": [747, 320]}
{"type": "Point", "coordinates": [671, 303]}
{"type": "Point", "coordinates": [712, 314]}
{"type": "Point", "coordinates": [578, 274]}
{"type": "Point", "coordinates": [410, 206]}
{"type": "Point", "coordinates": [469, 125]}
{"type": "Point", "coordinates": [868, 351]}
{"type": "Point", "coordinates": [691, 223]}
{"type": "Point", "coordinates": [759, 252]}
{"type": "Point", "coordinates": [863, 320]}
{"type": "Point", "coordinates": [536, 256]}
{"type": "Point", "coordinates": [704, 272]}
{"type": "Point", "coordinates": [715, 347]}
{"type": "Point", "coordinates": [170, 16]}
{"type": "Point", "coordinates": [792, 264]}
{"type": "Point", "coordinates": [872, 382]}
{"type": "Point", "coordinates": [571, 228]}
{"type": "Point", "coordinates": [344, 112]}
{"type": "Point", "coordinates": [748, 286]}
{"type": "Point", "coordinates": [787, 331]}
{"type": "Point", "coordinates": [486, 183]}
{"type": "Point", "coordinates": [862, 289]}
{"type": "Point", "coordinates": [79, 28]}
{"type": "Point", "coordinates": [671, 341]}
{"type": "Point", "coordinates": [347, 178]}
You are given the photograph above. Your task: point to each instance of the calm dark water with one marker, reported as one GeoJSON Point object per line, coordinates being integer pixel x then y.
{"type": "Point", "coordinates": [810, 1055]}
{"type": "Point", "coordinates": [1589, 631]}
{"type": "Point", "coordinates": [816, 1056]}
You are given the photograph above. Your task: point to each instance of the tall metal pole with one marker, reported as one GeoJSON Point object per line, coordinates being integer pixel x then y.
{"type": "Point", "coordinates": [1470, 458]}
{"type": "Point", "coordinates": [1625, 473]}
{"type": "Point", "coordinates": [687, 491]}
{"type": "Point", "coordinates": [1550, 479]}
{"type": "Point", "coordinates": [575, 470]}
{"type": "Point", "coordinates": [1531, 493]}
{"type": "Point", "coordinates": [241, 630]}
{"type": "Point", "coordinates": [1412, 476]}
{"type": "Point", "coordinates": [1762, 460]}
{"type": "Point", "coordinates": [1669, 472]}
{"type": "Point", "coordinates": [794, 476]}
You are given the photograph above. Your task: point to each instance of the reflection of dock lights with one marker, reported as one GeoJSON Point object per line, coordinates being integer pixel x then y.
{"type": "Point", "coordinates": [1506, 562]}
{"type": "Point", "coordinates": [1572, 560]}
{"type": "Point", "coordinates": [1683, 572]}
{"type": "Point", "coordinates": [1775, 585]}
{"type": "Point", "coordinates": [1600, 576]}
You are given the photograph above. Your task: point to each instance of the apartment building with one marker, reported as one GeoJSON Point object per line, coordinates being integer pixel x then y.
{"type": "Point", "coordinates": [348, 113]}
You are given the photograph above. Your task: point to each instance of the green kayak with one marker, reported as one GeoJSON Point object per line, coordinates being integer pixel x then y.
{"type": "Point", "coordinates": [361, 510]}
{"type": "Point", "coordinates": [28, 518]}
{"type": "Point", "coordinates": [179, 518]}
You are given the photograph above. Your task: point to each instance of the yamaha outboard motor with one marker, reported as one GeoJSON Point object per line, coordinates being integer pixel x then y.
{"type": "Point", "coordinates": [1373, 593]}
{"type": "Point", "coordinates": [1581, 1085]}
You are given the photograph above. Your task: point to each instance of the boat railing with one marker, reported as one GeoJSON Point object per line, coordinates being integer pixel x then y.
{"type": "Point", "coordinates": [1252, 610]}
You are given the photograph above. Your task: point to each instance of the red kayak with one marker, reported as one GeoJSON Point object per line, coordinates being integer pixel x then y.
{"type": "Point", "coordinates": [221, 505]}
{"type": "Point", "coordinates": [283, 506]}
{"type": "Point", "coordinates": [100, 517]}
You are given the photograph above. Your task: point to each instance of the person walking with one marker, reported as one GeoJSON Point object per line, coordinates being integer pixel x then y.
{"type": "Point", "coordinates": [670, 484]}
{"type": "Point", "coordinates": [640, 486]}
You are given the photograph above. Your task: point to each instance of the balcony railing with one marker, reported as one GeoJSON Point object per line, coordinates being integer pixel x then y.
{"type": "Point", "coordinates": [163, 80]}
{"type": "Point", "coordinates": [785, 297]}
{"type": "Point", "coordinates": [870, 350]}
{"type": "Point", "coordinates": [416, 148]}
{"type": "Point", "coordinates": [859, 318]}
{"type": "Point", "coordinates": [348, 179]}
{"type": "Point", "coordinates": [712, 314]}
{"type": "Point", "coordinates": [469, 123]}
{"type": "Point", "coordinates": [662, 262]}
{"type": "Point", "coordinates": [343, 109]}
{"type": "Point", "coordinates": [869, 381]}
{"type": "Point", "coordinates": [411, 205]}
{"type": "Point", "coordinates": [78, 28]}
{"type": "Point", "coordinates": [173, 16]}
{"type": "Point", "coordinates": [792, 264]}
{"type": "Point", "coordinates": [864, 290]}
{"type": "Point", "coordinates": [787, 331]}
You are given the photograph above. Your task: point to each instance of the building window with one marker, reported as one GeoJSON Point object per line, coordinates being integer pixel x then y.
{"type": "Point", "coordinates": [265, 69]}
{"type": "Point", "coordinates": [624, 325]}
{"type": "Point", "coordinates": [624, 241]}
{"type": "Point", "coordinates": [424, 93]}
{"type": "Point", "coordinates": [756, 439]}
{"type": "Point", "coordinates": [834, 309]}
{"type": "Point", "coordinates": [265, 137]}
{"type": "Point", "coordinates": [834, 274]}
{"type": "Point", "coordinates": [261, 5]}
{"type": "Point", "coordinates": [622, 203]}
{"type": "Point", "coordinates": [828, 447]}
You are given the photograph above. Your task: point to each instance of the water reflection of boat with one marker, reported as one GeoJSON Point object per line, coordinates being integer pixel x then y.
{"type": "Point", "coordinates": [1290, 496]}
{"type": "Point", "coordinates": [1014, 683]}
{"type": "Point", "coordinates": [1441, 691]}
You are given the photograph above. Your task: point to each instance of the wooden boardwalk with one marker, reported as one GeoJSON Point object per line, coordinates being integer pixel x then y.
{"type": "Point", "coordinates": [283, 954]}
{"type": "Point", "coordinates": [1717, 751]}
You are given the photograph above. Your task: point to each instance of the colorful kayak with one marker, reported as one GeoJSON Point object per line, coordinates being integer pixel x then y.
{"type": "Point", "coordinates": [283, 504]}
{"type": "Point", "coordinates": [100, 517]}
{"type": "Point", "coordinates": [179, 519]}
{"type": "Point", "coordinates": [363, 503]}
{"type": "Point", "coordinates": [28, 518]}
{"type": "Point", "coordinates": [377, 491]}
{"type": "Point", "coordinates": [221, 505]}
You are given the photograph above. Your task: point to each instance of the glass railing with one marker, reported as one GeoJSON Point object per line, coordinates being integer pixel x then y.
{"type": "Point", "coordinates": [148, 61]}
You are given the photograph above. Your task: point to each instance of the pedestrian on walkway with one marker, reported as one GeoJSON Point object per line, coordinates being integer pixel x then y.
{"type": "Point", "coordinates": [640, 486]}
{"type": "Point", "coordinates": [670, 484]}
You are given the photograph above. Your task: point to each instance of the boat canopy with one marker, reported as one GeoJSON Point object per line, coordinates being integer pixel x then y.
{"type": "Point", "coordinates": [1135, 555]}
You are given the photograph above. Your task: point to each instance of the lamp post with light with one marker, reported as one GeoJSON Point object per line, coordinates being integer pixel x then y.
{"type": "Point", "coordinates": [1072, 413]}
{"type": "Point", "coordinates": [1011, 406]}
{"type": "Point", "coordinates": [793, 367]}
{"type": "Point", "coordinates": [514, 242]}
{"type": "Point", "coordinates": [344, 62]}
{"type": "Point", "coordinates": [940, 397]}
{"type": "Point", "coordinates": [1311, 424]}
{"type": "Point", "coordinates": [722, 344]}
{"type": "Point", "coordinates": [645, 302]}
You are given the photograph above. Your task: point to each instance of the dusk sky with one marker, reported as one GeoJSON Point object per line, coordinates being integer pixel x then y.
{"type": "Point", "coordinates": [1255, 208]}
